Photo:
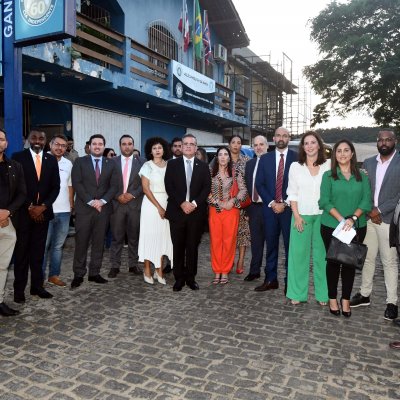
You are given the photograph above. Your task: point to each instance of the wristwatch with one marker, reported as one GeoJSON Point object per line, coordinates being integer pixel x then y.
{"type": "Point", "coordinates": [354, 218]}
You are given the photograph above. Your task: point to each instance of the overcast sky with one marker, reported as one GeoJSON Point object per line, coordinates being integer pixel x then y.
{"type": "Point", "coordinates": [277, 27]}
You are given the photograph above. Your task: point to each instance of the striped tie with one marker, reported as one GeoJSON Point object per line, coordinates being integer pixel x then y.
{"type": "Point", "coordinates": [279, 180]}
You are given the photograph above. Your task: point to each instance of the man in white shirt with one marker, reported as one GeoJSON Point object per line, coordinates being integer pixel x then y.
{"type": "Point", "coordinates": [255, 211]}
{"type": "Point", "coordinates": [59, 225]}
{"type": "Point", "coordinates": [384, 176]}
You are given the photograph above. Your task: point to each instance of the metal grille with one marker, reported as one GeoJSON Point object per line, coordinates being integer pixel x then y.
{"type": "Point", "coordinates": [96, 13]}
{"type": "Point", "coordinates": [162, 41]}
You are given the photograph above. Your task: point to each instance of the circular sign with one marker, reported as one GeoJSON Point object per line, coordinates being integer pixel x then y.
{"type": "Point", "coordinates": [37, 12]}
{"type": "Point", "coordinates": [179, 90]}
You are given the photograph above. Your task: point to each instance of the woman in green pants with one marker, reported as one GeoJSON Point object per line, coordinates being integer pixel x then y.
{"type": "Point", "coordinates": [305, 237]}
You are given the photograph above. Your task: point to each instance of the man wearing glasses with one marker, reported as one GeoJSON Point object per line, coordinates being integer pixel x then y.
{"type": "Point", "coordinates": [188, 184]}
{"type": "Point", "coordinates": [62, 207]}
{"type": "Point", "coordinates": [384, 176]}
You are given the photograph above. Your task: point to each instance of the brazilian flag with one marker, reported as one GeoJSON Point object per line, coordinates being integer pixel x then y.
{"type": "Point", "coordinates": [198, 32]}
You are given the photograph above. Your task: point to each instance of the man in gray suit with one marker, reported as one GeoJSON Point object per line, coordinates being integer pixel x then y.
{"type": "Point", "coordinates": [127, 202]}
{"type": "Point", "coordinates": [94, 180]}
{"type": "Point", "coordinates": [384, 175]}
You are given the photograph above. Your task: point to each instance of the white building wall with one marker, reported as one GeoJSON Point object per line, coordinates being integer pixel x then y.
{"type": "Point", "coordinates": [89, 121]}
{"type": "Point", "coordinates": [205, 138]}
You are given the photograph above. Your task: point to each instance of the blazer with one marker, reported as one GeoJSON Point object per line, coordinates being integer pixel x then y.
{"type": "Point", "coordinates": [134, 184]}
{"type": "Point", "coordinates": [390, 190]}
{"type": "Point", "coordinates": [84, 183]}
{"type": "Point", "coordinates": [16, 187]}
{"type": "Point", "coordinates": [44, 191]}
{"type": "Point", "coordinates": [266, 175]}
{"type": "Point", "coordinates": [175, 186]}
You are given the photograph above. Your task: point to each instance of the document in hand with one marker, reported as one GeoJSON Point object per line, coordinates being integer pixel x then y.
{"type": "Point", "coordinates": [342, 235]}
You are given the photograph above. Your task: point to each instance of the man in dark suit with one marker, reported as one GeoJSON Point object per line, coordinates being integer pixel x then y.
{"type": "Point", "coordinates": [95, 182]}
{"type": "Point", "coordinates": [255, 210]}
{"type": "Point", "coordinates": [12, 197]}
{"type": "Point", "coordinates": [43, 186]}
{"type": "Point", "coordinates": [384, 176]}
{"type": "Point", "coordinates": [127, 202]}
{"type": "Point", "coordinates": [271, 184]}
{"type": "Point", "coordinates": [188, 184]}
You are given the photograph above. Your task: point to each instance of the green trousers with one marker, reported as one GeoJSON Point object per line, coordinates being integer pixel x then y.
{"type": "Point", "coordinates": [300, 247]}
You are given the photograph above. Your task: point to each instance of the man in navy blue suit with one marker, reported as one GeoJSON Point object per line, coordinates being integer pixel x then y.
{"type": "Point", "coordinates": [255, 210]}
{"type": "Point", "coordinates": [271, 184]}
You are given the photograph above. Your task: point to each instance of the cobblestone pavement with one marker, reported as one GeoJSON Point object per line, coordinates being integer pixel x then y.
{"type": "Point", "coordinates": [130, 340]}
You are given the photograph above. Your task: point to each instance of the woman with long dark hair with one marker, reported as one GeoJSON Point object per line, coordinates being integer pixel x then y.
{"type": "Point", "coordinates": [239, 164]}
{"type": "Point", "coordinates": [305, 234]}
{"type": "Point", "coordinates": [224, 213]}
{"type": "Point", "coordinates": [345, 196]}
{"type": "Point", "coordinates": [155, 237]}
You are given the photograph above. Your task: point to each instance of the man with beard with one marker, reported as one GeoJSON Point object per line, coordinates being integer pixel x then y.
{"type": "Point", "coordinates": [127, 202]}
{"type": "Point", "coordinates": [384, 176]}
{"type": "Point", "coordinates": [43, 186]}
{"type": "Point", "coordinates": [176, 147]}
{"type": "Point", "coordinates": [271, 185]}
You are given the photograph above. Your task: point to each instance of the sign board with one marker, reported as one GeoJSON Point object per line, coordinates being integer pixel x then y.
{"type": "Point", "coordinates": [38, 21]}
{"type": "Point", "coordinates": [190, 85]}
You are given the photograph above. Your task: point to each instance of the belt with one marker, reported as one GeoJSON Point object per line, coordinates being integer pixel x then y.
{"type": "Point", "coordinates": [257, 203]}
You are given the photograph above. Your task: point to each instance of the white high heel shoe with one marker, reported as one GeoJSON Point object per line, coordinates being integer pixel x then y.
{"type": "Point", "coordinates": [148, 280]}
{"type": "Point", "coordinates": [159, 279]}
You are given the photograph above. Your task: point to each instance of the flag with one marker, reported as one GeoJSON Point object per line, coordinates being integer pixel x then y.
{"type": "Point", "coordinates": [198, 31]}
{"type": "Point", "coordinates": [206, 39]}
{"type": "Point", "coordinates": [183, 26]}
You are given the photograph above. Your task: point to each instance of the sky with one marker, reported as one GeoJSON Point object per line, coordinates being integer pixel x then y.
{"type": "Point", "coordinates": [277, 27]}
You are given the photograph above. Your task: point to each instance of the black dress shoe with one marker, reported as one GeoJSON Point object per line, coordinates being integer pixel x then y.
{"type": "Point", "coordinates": [76, 282]}
{"type": "Point", "coordinates": [268, 285]}
{"type": "Point", "coordinates": [193, 285]}
{"type": "Point", "coordinates": [97, 279]}
{"type": "Point", "coordinates": [177, 287]}
{"type": "Point", "coordinates": [6, 311]}
{"type": "Point", "coordinates": [113, 273]}
{"type": "Point", "coordinates": [251, 277]}
{"type": "Point", "coordinates": [135, 270]}
{"type": "Point", "coordinates": [42, 293]}
{"type": "Point", "coordinates": [19, 299]}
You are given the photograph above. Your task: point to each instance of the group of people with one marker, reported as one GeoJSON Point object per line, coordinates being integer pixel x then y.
{"type": "Point", "coordinates": [159, 205]}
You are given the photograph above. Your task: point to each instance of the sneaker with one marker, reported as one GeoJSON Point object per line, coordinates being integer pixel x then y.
{"type": "Point", "coordinates": [55, 280]}
{"type": "Point", "coordinates": [391, 312]}
{"type": "Point", "coordinates": [359, 300]}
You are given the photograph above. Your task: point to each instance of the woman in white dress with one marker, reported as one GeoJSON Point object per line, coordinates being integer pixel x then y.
{"type": "Point", "coordinates": [155, 237]}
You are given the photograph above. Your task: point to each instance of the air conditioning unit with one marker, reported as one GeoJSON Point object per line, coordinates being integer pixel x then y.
{"type": "Point", "coordinates": [220, 53]}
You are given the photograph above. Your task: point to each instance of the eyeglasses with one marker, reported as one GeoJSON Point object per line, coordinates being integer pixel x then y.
{"type": "Point", "coordinates": [385, 140]}
{"type": "Point", "coordinates": [189, 144]}
{"type": "Point", "coordinates": [63, 146]}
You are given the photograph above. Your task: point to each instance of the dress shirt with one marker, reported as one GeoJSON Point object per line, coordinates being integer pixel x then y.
{"type": "Point", "coordinates": [278, 158]}
{"type": "Point", "coordinates": [123, 161]}
{"type": "Point", "coordinates": [94, 162]}
{"type": "Point", "coordinates": [305, 188]}
{"type": "Point", "coordinates": [33, 154]}
{"type": "Point", "coordinates": [381, 169]}
{"type": "Point", "coordinates": [254, 181]}
{"type": "Point", "coordinates": [186, 165]}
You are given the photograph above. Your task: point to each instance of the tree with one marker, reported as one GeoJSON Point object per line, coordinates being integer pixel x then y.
{"type": "Point", "coordinates": [359, 69]}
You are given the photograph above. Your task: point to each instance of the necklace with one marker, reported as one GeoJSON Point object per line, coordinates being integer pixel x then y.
{"type": "Point", "coordinates": [160, 163]}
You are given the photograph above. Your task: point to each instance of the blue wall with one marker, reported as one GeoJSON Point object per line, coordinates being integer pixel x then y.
{"type": "Point", "coordinates": [155, 128]}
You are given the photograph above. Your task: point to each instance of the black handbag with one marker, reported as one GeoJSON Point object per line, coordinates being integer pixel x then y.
{"type": "Point", "coordinates": [352, 254]}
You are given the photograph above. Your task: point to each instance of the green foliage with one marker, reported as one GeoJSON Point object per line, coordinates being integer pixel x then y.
{"type": "Point", "coordinates": [360, 59]}
{"type": "Point", "coordinates": [361, 134]}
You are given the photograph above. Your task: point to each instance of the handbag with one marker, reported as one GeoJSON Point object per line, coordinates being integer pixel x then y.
{"type": "Point", "coordinates": [352, 254]}
{"type": "Point", "coordinates": [235, 190]}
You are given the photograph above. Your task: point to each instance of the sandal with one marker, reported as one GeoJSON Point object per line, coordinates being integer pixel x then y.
{"type": "Point", "coordinates": [294, 302]}
{"type": "Point", "coordinates": [224, 281]}
{"type": "Point", "coordinates": [216, 281]}
{"type": "Point", "coordinates": [323, 303]}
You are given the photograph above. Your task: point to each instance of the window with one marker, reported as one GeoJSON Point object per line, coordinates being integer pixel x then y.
{"type": "Point", "coordinates": [162, 41]}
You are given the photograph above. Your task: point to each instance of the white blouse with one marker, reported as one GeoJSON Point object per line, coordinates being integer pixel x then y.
{"type": "Point", "coordinates": [305, 188]}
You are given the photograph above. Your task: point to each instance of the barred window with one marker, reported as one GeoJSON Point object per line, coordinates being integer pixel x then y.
{"type": "Point", "coordinates": [162, 41]}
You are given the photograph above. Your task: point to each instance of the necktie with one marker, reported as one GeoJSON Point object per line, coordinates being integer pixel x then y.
{"type": "Point", "coordinates": [125, 174]}
{"type": "Point", "coordinates": [38, 166]}
{"type": "Point", "coordinates": [97, 170]}
{"type": "Point", "coordinates": [189, 172]}
{"type": "Point", "coordinates": [279, 180]}
{"type": "Point", "coordinates": [256, 197]}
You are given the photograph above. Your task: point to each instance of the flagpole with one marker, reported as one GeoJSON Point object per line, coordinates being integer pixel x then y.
{"type": "Point", "coordinates": [203, 63]}
{"type": "Point", "coordinates": [193, 33]}
{"type": "Point", "coordinates": [183, 30]}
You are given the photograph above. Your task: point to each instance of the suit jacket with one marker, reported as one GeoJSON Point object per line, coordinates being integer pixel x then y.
{"type": "Point", "coordinates": [85, 185]}
{"type": "Point", "coordinates": [45, 190]}
{"type": "Point", "coordinates": [390, 190]}
{"type": "Point", "coordinates": [134, 184]}
{"type": "Point", "coordinates": [16, 187]}
{"type": "Point", "coordinates": [248, 175]}
{"type": "Point", "coordinates": [175, 186]}
{"type": "Point", "coordinates": [266, 175]}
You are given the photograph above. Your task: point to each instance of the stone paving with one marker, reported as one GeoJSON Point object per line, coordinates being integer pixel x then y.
{"type": "Point", "coordinates": [129, 340]}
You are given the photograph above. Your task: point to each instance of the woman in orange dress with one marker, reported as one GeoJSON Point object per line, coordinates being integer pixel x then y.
{"type": "Point", "coordinates": [224, 213]}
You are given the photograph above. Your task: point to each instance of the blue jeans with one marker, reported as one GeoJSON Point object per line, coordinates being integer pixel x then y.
{"type": "Point", "coordinates": [56, 235]}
